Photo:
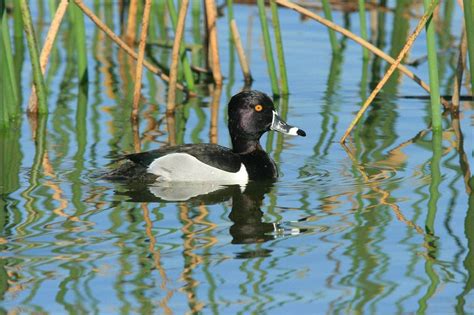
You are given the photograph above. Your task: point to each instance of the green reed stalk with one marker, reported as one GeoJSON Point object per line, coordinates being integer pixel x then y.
{"type": "Point", "coordinates": [160, 16]}
{"type": "Point", "coordinates": [5, 96]}
{"type": "Point", "coordinates": [80, 34]}
{"type": "Point", "coordinates": [19, 45]}
{"type": "Point", "coordinates": [469, 20]}
{"type": "Point", "coordinates": [7, 70]}
{"type": "Point", "coordinates": [332, 33]}
{"type": "Point", "coordinates": [52, 7]}
{"type": "Point", "coordinates": [230, 12]}
{"type": "Point", "coordinates": [363, 27]}
{"type": "Point", "coordinates": [268, 47]}
{"type": "Point", "coordinates": [433, 68]}
{"type": "Point", "coordinates": [38, 79]}
{"type": "Point", "coordinates": [196, 56]}
{"type": "Point", "coordinates": [17, 21]}
{"type": "Point", "coordinates": [279, 47]}
{"type": "Point", "coordinates": [188, 74]}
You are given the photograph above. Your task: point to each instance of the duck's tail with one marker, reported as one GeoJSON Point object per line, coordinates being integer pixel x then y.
{"type": "Point", "coordinates": [130, 172]}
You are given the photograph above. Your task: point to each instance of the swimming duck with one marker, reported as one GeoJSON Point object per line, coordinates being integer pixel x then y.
{"type": "Point", "coordinates": [251, 114]}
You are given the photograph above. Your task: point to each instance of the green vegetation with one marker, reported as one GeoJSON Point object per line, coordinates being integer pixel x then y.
{"type": "Point", "coordinates": [469, 20]}
{"type": "Point", "coordinates": [433, 69]}
{"type": "Point", "coordinates": [204, 49]}
{"type": "Point", "coordinates": [268, 47]}
{"type": "Point", "coordinates": [34, 57]}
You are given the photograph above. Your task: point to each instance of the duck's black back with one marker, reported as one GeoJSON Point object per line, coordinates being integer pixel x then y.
{"type": "Point", "coordinates": [210, 154]}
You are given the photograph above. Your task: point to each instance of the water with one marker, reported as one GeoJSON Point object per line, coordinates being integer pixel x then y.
{"type": "Point", "coordinates": [383, 225]}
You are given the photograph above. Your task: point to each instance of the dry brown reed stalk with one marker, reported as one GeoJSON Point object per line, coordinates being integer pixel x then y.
{"type": "Point", "coordinates": [240, 52]}
{"type": "Point", "coordinates": [360, 41]}
{"type": "Point", "coordinates": [459, 71]}
{"type": "Point", "coordinates": [211, 16]}
{"type": "Point", "coordinates": [125, 47]}
{"type": "Point", "coordinates": [171, 102]}
{"type": "Point", "coordinates": [130, 32]}
{"type": "Point", "coordinates": [216, 98]}
{"type": "Point", "coordinates": [464, 161]}
{"type": "Point", "coordinates": [141, 57]}
{"type": "Point", "coordinates": [136, 136]}
{"type": "Point", "coordinates": [391, 69]}
{"type": "Point", "coordinates": [48, 45]}
{"type": "Point", "coordinates": [171, 127]}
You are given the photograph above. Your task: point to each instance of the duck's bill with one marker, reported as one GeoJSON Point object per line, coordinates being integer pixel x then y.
{"type": "Point", "coordinates": [280, 125]}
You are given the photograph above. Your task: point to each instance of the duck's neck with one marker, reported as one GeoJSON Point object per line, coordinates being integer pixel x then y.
{"type": "Point", "coordinates": [242, 146]}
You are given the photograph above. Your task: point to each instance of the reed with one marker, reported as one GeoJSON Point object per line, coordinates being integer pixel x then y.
{"type": "Point", "coordinates": [279, 46]}
{"type": "Point", "coordinates": [131, 31]}
{"type": "Point", "coordinates": [160, 17]}
{"type": "Point", "coordinates": [49, 43]}
{"type": "Point", "coordinates": [17, 21]}
{"type": "Point", "coordinates": [214, 105]}
{"type": "Point", "coordinates": [141, 57]}
{"type": "Point", "coordinates": [8, 55]}
{"type": "Point", "coordinates": [241, 53]}
{"type": "Point", "coordinates": [230, 12]}
{"type": "Point", "coordinates": [80, 36]}
{"type": "Point", "coordinates": [171, 103]}
{"type": "Point", "coordinates": [196, 54]}
{"type": "Point", "coordinates": [211, 19]}
{"type": "Point", "coordinates": [378, 52]}
{"type": "Point", "coordinates": [469, 21]}
{"type": "Point", "coordinates": [433, 66]}
{"type": "Point", "coordinates": [8, 81]}
{"type": "Point", "coordinates": [38, 79]}
{"type": "Point", "coordinates": [332, 34]}
{"type": "Point", "coordinates": [123, 45]}
{"type": "Point", "coordinates": [19, 45]}
{"type": "Point", "coordinates": [391, 69]}
{"type": "Point", "coordinates": [186, 66]}
{"type": "Point", "coordinates": [461, 64]}
{"type": "Point", "coordinates": [268, 47]}
{"type": "Point", "coordinates": [5, 96]}
{"type": "Point", "coordinates": [232, 43]}
{"type": "Point", "coordinates": [363, 27]}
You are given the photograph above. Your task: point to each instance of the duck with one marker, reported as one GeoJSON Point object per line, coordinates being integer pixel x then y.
{"type": "Point", "coordinates": [251, 113]}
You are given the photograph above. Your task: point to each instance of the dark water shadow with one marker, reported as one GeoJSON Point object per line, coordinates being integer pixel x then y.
{"type": "Point", "coordinates": [248, 219]}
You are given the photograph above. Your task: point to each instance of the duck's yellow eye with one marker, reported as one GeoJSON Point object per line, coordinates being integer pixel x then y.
{"type": "Point", "coordinates": [258, 108]}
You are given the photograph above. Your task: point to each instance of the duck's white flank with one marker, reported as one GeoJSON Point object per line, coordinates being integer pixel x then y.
{"type": "Point", "coordinates": [182, 167]}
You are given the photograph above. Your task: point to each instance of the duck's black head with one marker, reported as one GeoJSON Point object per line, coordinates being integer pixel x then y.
{"type": "Point", "coordinates": [251, 114]}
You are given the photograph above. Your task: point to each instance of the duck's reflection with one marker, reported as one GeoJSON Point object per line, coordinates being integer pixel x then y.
{"type": "Point", "coordinates": [246, 214]}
